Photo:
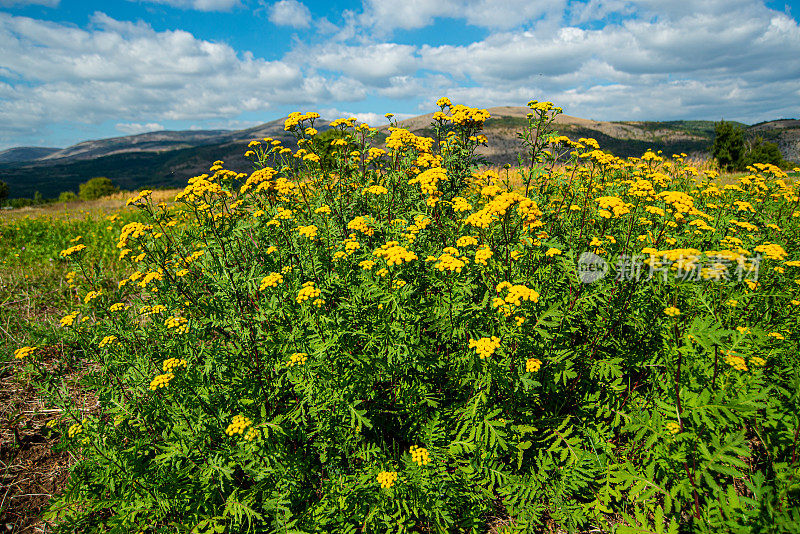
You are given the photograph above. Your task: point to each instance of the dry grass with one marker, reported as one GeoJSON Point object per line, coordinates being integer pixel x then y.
{"type": "Point", "coordinates": [81, 208]}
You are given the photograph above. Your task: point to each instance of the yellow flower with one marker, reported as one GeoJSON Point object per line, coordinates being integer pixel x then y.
{"type": "Point", "coordinates": [552, 252]}
{"type": "Point", "coordinates": [69, 320]}
{"type": "Point", "coordinates": [161, 381]}
{"type": "Point", "coordinates": [74, 430]}
{"type": "Point", "coordinates": [308, 291]}
{"type": "Point", "coordinates": [71, 250]}
{"type": "Point", "coordinates": [238, 425]}
{"type": "Point", "coordinates": [24, 352]}
{"type": "Point", "coordinates": [298, 358]}
{"type": "Point", "coordinates": [485, 346]}
{"type": "Point", "coordinates": [271, 280]}
{"type": "Point", "coordinates": [419, 455]}
{"type": "Point", "coordinates": [672, 311]}
{"type": "Point", "coordinates": [776, 335]}
{"type": "Point", "coordinates": [171, 364]}
{"type": "Point", "coordinates": [387, 478]}
{"type": "Point", "coordinates": [735, 361]}
{"type": "Point", "coordinates": [758, 362]}
{"type": "Point", "coordinates": [532, 365]}
{"type": "Point", "coordinates": [673, 427]}
{"type": "Point", "coordinates": [108, 340]}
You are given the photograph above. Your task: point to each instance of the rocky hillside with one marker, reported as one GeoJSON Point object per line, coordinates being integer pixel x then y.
{"type": "Point", "coordinates": [169, 158]}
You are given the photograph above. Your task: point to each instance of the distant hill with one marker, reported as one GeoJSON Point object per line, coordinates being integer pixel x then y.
{"type": "Point", "coordinates": [25, 153]}
{"type": "Point", "coordinates": [170, 158]}
{"type": "Point", "coordinates": [624, 139]}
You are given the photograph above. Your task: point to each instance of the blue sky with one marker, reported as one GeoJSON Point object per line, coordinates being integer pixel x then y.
{"type": "Point", "coordinates": [77, 70]}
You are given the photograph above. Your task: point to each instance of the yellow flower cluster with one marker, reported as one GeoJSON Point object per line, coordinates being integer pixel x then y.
{"type": "Point", "coordinates": [485, 346]}
{"type": "Point", "coordinates": [466, 116]}
{"type": "Point", "coordinates": [735, 361]}
{"type": "Point", "coordinates": [680, 202]}
{"type": "Point", "coordinates": [24, 352]}
{"type": "Point", "coordinates": [448, 261]}
{"type": "Point", "coordinates": [308, 291]}
{"type": "Point", "coordinates": [616, 205]}
{"type": "Point", "coordinates": [161, 381]}
{"type": "Point", "coordinates": [532, 365]}
{"type": "Point", "coordinates": [69, 320]}
{"type": "Point", "coordinates": [143, 194]}
{"type": "Point", "coordinates": [271, 280]}
{"type": "Point", "coordinates": [74, 430]}
{"type": "Point", "coordinates": [772, 251]}
{"type": "Point", "coordinates": [673, 427]}
{"type": "Point", "coordinates": [180, 324]}
{"type": "Point", "coordinates": [361, 224]}
{"type": "Point", "coordinates": [461, 204]}
{"type": "Point", "coordinates": [91, 295]}
{"type": "Point", "coordinates": [552, 252]}
{"type": "Point", "coordinates": [309, 231]}
{"type": "Point", "coordinates": [517, 293]}
{"type": "Point", "coordinates": [400, 138]}
{"type": "Point", "coordinates": [298, 358]}
{"type": "Point", "coordinates": [672, 311]}
{"type": "Point", "coordinates": [428, 181]}
{"type": "Point", "coordinates": [108, 340]}
{"type": "Point", "coordinates": [419, 455]}
{"type": "Point", "coordinates": [466, 240]}
{"type": "Point", "coordinates": [394, 254]}
{"type": "Point", "coordinates": [171, 364]}
{"type": "Point", "coordinates": [72, 250]}
{"type": "Point", "coordinates": [296, 118]}
{"type": "Point", "coordinates": [133, 230]}
{"type": "Point", "coordinates": [366, 264]}
{"type": "Point", "coordinates": [376, 190]}
{"type": "Point", "coordinates": [483, 254]}
{"type": "Point", "coordinates": [387, 478]}
{"type": "Point", "coordinates": [238, 425]}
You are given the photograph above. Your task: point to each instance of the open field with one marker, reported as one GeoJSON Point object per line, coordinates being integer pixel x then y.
{"type": "Point", "coordinates": [396, 341]}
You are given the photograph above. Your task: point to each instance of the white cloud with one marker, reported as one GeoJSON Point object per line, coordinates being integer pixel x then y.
{"type": "Point", "coordinates": [383, 16]}
{"type": "Point", "coordinates": [133, 128]}
{"type": "Point", "coordinates": [199, 5]}
{"type": "Point", "coordinates": [123, 72]}
{"type": "Point", "coordinates": [375, 64]}
{"type": "Point", "coordinates": [373, 119]}
{"type": "Point", "coordinates": [290, 13]}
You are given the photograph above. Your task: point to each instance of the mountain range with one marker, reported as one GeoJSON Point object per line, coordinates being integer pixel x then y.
{"type": "Point", "coordinates": [170, 158]}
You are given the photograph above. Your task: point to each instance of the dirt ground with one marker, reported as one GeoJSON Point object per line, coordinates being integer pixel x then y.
{"type": "Point", "coordinates": [32, 468]}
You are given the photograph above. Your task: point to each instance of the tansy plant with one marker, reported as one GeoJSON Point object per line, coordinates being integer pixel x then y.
{"type": "Point", "coordinates": [387, 339]}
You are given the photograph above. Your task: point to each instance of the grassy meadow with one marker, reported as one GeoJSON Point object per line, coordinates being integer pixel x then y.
{"type": "Point", "coordinates": [356, 339]}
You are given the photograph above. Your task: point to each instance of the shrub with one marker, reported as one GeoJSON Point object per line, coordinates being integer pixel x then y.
{"type": "Point", "coordinates": [96, 188]}
{"type": "Point", "coordinates": [392, 341]}
{"type": "Point", "coordinates": [67, 196]}
{"type": "Point", "coordinates": [729, 146]}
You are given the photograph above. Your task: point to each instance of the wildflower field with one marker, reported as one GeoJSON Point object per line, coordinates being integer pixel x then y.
{"type": "Point", "coordinates": [359, 339]}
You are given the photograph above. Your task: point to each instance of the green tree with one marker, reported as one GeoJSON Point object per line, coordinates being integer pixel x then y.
{"type": "Point", "coordinates": [760, 151]}
{"type": "Point", "coordinates": [67, 196]}
{"type": "Point", "coordinates": [3, 190]}
{"type": "Point", "coordinates": [729, 146]}
{"type": "Point", "coordinates": [96, 188]}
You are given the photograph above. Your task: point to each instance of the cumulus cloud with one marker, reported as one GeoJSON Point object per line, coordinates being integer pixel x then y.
{"type": "Point", "coordinates": [199, 5]}
{"type": "Point", "coordinates": [387, 15]}
{"type": "Point", "coordinates": [290, 13]}
{"type": "Point", "coordinates": [133, 128]}
{"type": "Point", "coordinates": [375, 64]}
{"type": "Point", "coordinates": [371, 118]}
{"type": "Point", "coordinates": [123, 71]}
